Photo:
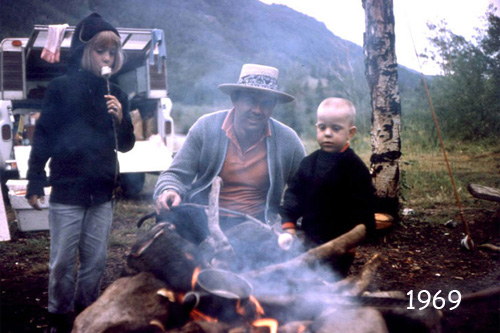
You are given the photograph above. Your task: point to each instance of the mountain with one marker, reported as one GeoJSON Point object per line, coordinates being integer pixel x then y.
{"type": "Point", "coordinates": [209, 40]}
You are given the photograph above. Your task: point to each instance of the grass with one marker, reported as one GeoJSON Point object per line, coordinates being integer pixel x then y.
{"type": "Point", "coordinates": [426, 182]}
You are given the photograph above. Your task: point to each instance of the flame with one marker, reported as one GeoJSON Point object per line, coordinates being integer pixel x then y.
{"type": "Point", "coordinates": [270, 323]}
{"type": "Point", "coordinates": [258, 307]}
{"type": "Point", "coordinates": [239, 308]}
{"type": "Point", "coordinates": [194, 278]}
{"type": "Point", "coordinates": [198, 315]}
{"type": "Point", "coordinates": [179, 297]}
{"type": "Point", "coordinates": [302, 328]}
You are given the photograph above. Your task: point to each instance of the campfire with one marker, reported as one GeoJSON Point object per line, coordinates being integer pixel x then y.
{"type": "Point", "coordinates": [206, 283]}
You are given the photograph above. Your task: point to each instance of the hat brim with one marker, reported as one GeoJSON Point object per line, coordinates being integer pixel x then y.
{"type": "Point", "coordinates": [229, 88]}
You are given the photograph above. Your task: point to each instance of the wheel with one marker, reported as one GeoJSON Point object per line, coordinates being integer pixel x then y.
{"type": "Point", "coordinates": [132, 183]}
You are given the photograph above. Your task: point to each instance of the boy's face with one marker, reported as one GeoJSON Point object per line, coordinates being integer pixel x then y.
{"type": "Point", "coordinates": [102, 54]}
{"type": "Point", "coordinates": [333, 129]}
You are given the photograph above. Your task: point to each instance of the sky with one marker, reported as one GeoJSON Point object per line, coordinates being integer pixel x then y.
{"type": "Point", "coordinates": [346, 19]}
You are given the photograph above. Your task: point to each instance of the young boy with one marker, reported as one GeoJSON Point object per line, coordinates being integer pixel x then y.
{"type": "Point", "coordinates": [332, 190]}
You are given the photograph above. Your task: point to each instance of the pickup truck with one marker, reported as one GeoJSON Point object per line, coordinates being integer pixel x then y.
{"type": "Point", "coordinates": [24, 77]}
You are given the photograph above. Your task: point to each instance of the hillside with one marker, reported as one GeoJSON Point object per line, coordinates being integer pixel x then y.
{"type": "Point", "coordinates": [208, 41]}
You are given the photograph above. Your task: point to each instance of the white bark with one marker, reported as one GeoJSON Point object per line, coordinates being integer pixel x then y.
{"type": "Point", "coordinates": [382, 76]}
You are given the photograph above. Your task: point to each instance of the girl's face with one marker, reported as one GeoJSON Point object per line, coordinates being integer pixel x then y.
{"type": "Point", "coordinates": [334, 130]}
{"type": "Point", "coordinates": [102, 54]}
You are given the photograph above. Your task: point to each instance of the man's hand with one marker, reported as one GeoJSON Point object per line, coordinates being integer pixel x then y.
{"type": "Point", "coordinates": [167, 199]}
{"type": "Point", "coordinates": [33, 201]}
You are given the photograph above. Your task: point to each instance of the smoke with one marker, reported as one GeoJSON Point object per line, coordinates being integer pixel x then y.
{"type": "Point", "coordinates": [256, 248]}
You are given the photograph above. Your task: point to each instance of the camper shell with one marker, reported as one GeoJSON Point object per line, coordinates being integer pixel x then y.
{"type": "Point", "coordinates": [24, 77]}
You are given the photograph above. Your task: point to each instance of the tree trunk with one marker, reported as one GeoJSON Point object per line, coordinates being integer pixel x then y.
{"type": "Point", "coordinates": [382, 76]}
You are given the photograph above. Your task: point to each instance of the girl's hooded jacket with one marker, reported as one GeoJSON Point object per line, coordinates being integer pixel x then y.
{"type": "Point", "coordinates": [76, 132]}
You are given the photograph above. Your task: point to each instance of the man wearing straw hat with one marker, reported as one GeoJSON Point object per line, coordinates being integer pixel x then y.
{"type": "Point", "coordinates": [254, 154]}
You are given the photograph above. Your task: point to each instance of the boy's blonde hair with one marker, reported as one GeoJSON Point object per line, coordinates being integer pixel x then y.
{"type": "Point", "coordinates": [104, 37]}
{"type": "Point", "coordinates": [339, 104]}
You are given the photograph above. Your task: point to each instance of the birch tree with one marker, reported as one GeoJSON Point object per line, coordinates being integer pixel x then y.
{"type": "Point", "coordinates": [382, 76]}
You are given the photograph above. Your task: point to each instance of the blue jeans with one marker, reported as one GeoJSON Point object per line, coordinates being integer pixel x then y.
{"type": "Point", "coordinates": [82, 230]}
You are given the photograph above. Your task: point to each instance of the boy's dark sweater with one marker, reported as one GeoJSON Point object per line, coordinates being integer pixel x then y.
{"type": "Point", "coordinates": [332, 192]}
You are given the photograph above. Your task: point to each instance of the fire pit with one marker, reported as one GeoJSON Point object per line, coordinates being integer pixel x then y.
{"type": "Point", "coordinates": [166, 292]}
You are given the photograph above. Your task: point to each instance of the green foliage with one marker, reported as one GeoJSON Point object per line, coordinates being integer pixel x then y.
{"type": "Point", "coordinates": [466, 97]}
{"type": "Point", "coordinates": [186, 115]}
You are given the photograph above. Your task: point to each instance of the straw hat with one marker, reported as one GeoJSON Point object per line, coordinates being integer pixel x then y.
{"type": "Point", "coordinates": [258, 78]}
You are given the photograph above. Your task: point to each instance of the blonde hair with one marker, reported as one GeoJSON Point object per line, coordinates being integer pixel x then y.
{"type": "Point", "coordinates": [339, 104]}
{"type": "Point", "coordinates": [103, 38]}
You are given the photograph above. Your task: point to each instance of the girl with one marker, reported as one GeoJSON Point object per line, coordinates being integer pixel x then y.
{"type": "Point", "coordinates": [80, 127]}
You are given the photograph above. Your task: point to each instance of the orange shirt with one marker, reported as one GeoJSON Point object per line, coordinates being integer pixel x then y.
{"type": "Point", "coordinates": [244, 174]}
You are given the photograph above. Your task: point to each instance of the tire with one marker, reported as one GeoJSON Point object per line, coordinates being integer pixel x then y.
{"type": "Point", "coordinates": [132, 183]}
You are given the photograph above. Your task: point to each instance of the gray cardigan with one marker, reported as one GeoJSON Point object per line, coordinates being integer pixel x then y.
{"type": "Point", "coordinates": [203, 153]}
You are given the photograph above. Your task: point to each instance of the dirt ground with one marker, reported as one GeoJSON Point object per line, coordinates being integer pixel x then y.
{"type": "Point", "coordinates": [418, 253]}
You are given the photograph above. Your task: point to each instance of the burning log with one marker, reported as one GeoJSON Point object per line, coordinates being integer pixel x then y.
{"type": "Point", "coordinates": [216, 247]}
{"type": "Point", "coordinates": [138, 303]}
{"type": "Point", "coordinates": [202, 327]}
{"type": "Point", "coordinates": [356, 285]}
{"type": "Point", "coordinates": [329, 251]}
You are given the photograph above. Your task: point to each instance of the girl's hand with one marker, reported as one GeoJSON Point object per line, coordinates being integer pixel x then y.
{"type": "Point", "coordinates": [114, 108]}
{"type": "Point", "coordinates": [33, 201]}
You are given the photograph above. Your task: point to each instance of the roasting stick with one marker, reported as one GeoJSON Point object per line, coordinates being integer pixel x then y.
{"type": "Point", "coordinates": [106, 74]}
{"type": "Point", "coordinates": [467, 241]}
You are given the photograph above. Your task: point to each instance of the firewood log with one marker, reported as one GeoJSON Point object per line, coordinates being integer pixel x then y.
{"type": "Point", "coordinates": [328, 251]}
{"type": "Point", "coordinates": [356, 285]}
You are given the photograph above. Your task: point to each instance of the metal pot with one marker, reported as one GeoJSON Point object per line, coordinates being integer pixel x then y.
{"type": "Point", "coordinates": [218, 293]}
